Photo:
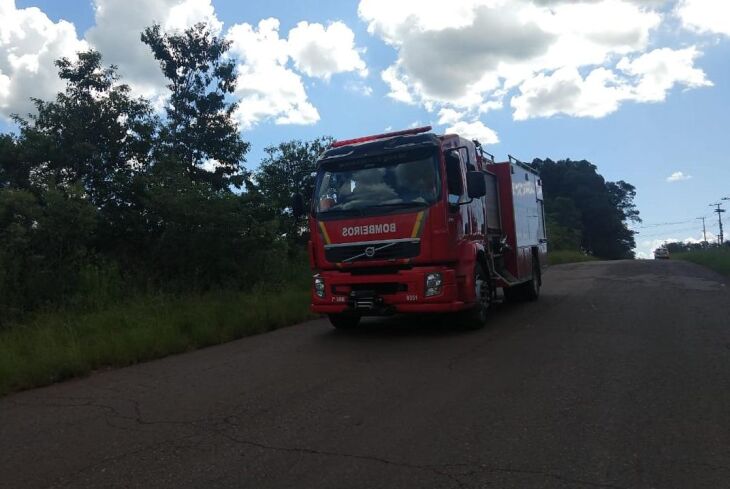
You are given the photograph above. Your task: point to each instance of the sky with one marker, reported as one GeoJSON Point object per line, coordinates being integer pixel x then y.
{"type": "Point", "coordinates": [641, 88]}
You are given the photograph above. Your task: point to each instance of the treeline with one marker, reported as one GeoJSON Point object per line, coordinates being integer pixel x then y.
{"type": "Point", "coordinates": [101, 197]}
{"type": "Point", "coordinates": [586, 213]}
{"type": "Point", "coordinates": [686, 247]}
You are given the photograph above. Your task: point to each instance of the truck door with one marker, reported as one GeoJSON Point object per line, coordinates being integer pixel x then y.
{"type": "Point", "coordinates": [456, 191]}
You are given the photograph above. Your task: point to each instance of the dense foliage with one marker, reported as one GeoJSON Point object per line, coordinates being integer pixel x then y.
{"type": "Point", "coordinates": [100, 197]}
{"type": "Point", "coordinates": [585, 212]}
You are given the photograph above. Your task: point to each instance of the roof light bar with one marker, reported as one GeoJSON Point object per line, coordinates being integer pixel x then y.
{"type": "Point", "coordinates": [415, 130]}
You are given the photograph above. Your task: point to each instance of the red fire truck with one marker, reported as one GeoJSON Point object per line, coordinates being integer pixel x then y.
{"type": "Point", "coordinates": [414, 222]}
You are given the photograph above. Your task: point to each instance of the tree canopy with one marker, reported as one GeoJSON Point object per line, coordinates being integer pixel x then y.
{"type": "Point", "coordinates": [586, 212]}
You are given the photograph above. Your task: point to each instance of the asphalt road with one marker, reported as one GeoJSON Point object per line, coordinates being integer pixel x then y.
{"type": "Point", "coordinates": [618, 377]}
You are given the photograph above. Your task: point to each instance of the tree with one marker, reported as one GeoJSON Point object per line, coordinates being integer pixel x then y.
{"type": "Point", "coordinates": [602, 208]}
{"type": "Point", "coordinates": [199, 131]}
{"type": "Point", "coordinates": [564, 224]}
{"type": "Point", "coordinates": [94, 133]}
{"type": "Point", "coordinates": [287, 169]}
{"type": "Point", "coordinates": [14, 173]}
{"type": "Point", "coordinates": [622, 196]}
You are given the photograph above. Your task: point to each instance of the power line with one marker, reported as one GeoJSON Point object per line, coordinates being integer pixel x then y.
{"type": "Point", "coordinates": [666, 233]}
{"type": "Point", "coordinates": [659, 224]}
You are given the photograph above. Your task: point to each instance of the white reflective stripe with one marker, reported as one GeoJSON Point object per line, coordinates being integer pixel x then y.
{"type": "Point", "coordinates": [373, 243]}
{"type": "Point", "coordinates": [388, 245]}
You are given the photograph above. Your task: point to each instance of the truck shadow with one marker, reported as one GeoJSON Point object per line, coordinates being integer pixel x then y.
{"type": "Point", "coordinates": [425, 325]}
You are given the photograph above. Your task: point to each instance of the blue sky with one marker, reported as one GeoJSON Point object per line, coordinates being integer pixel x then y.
{"type": "Point", "coordinates": [638, 87]}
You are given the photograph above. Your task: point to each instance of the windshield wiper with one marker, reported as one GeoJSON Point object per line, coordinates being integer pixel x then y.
{"type": "Point", "coordinates": [357, 211]}
{"type": "Point", "coordinates": [400, 205]}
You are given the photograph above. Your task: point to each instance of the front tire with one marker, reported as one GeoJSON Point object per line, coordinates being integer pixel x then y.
{"type": "Point", "coordinates": [476, 317]}
{"type": "Point", "coordinates": [344, 320]}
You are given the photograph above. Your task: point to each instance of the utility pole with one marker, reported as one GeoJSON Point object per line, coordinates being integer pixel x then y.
{"type": "Point", "coordinates": [718, 216]}
{"type": "Point", "coordinates": [719, 210]}
{"type": "Point", "coordinates": [704, 231]}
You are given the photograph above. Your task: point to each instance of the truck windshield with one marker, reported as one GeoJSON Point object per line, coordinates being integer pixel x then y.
{"type": "Point", "coordinates": [376, 185]}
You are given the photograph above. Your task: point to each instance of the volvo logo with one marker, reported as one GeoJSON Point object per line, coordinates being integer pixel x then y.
{"type": "Point", "coordinates": [370, 251]}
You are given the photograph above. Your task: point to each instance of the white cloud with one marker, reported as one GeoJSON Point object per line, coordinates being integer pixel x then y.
{"type": "Point", "coordinates": [566, 91]}
{"type": "Point", "coordinates": [678, 176]}
{"type": "Point", "coordinates": [474, 130]}
{"type": "Point", "coordinates": [359, 87]}
{"type": "Point", "coordinates": [398, 84]}
{"type": "Point", "coordinates": [705, 16]}
{"type": "Point", "coordinates": [267, 89]}
{"type": "Point", "coordinates": [321, 51]}
{"type": "Point", "coordinates": [647, 78]}
{"type": "Point", "coordinates": [659, 70]}
{"type": "Point", "coordinates": [449, 116]}
{"type": "Point", "coordinates": [561, 54]}
{"type": "Point", "coordinates": [29, 44]}
{"type": "Point", "coordinates": [119, 25]}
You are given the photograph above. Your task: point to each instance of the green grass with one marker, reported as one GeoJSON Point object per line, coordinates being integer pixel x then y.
{"type": "Point", "coordinates": [54, 346]}
{"type": "Point", "coordinates": [717, 259]}
{"type": "Point", "coordinates": [559, 257]}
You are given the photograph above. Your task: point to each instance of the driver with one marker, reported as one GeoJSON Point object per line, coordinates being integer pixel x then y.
{"type": "Point", "coordinates": [416, 182]}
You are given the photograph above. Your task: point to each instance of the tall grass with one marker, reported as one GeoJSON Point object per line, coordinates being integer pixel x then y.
{"type": "Point", "coordinates": [717, 259]}
{"type": "Point", "coordinates": [558, 257]}
{"type": "Point", "coordinates": [55, 346]}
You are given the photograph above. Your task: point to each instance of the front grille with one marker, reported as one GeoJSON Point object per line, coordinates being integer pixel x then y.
{"type": "Point", "coordinates": [389, 270]}
{"type": "Point", "coordinates": [373, 250]}
{"type": "Point", "coordinates": [387, 288]}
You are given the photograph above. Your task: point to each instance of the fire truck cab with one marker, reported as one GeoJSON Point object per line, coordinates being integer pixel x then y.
{"type": "Point", "coordinates": [414, 222]}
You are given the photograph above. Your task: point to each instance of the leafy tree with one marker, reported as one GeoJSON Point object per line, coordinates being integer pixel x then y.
{"type": "Point", "coordinates": [199, 130]}
{"type": "Point", "coordinates": [94, 133]}
{"type": "Point", "coordinates": [604, 208]}
{"type": "Point", "coordinates": [14, 173]}
{"type": "Point", "coordinates": [622, 196]}
{"type": "Point", "coordinates": [199, 238]}
{"type": "Point", "coordinates": [564, 224]}
{"type": "Point", "coordinates": [46, 242]}
{"type": "Point", "coordinates": [287, 169]}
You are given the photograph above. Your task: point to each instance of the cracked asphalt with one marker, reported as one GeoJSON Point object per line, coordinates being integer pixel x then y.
{"type": "Point", "coordinates": [619, 377]}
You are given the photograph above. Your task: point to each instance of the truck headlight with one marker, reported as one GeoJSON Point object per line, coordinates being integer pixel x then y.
{"type": "Point", "coordinates": [433, 284]}
{"type": "Point", "coordinates": [319, 286]}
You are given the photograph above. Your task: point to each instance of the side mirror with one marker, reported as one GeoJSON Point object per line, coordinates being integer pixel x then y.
{"type": "Point", "coordinates": [297, 205]}
{"type": "Point", "coordinates": [453, 173]}
{"type": "Point", "coordinates": [476, 184]}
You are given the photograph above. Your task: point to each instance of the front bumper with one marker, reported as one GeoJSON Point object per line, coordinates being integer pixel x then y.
{"type": "Point", "coordinates": [387, 293]}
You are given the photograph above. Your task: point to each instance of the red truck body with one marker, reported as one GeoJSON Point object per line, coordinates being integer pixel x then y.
{"type": "Point", "coordinates": [380, 247]}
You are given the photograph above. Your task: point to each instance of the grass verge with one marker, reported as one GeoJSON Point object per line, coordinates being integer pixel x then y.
{"type": "Point", "coordinates": [559, 257]}
{"type": "Point", "coordinates": [55, 346]}
{"type": "Point", "coordinates": [717, 259]}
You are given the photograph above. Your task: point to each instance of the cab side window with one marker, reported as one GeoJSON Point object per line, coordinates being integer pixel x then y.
{"type": "Point", "coordinates": [453, 177]}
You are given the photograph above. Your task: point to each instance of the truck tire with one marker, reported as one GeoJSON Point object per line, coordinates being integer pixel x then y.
{"type": "Point", "coordinates": [514, 293]}
{"type": "Point", "coordinates": [476, 317]}
{"type": "Point", "coordinates": [344, 320]}
{"type": "Point", "coordinates": [531, 289]}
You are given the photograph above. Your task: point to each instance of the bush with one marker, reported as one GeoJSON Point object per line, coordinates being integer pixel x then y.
{"type": "Point", "coordinates": [717, 258]}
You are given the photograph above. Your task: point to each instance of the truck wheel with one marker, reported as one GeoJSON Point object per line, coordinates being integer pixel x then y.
{"type": "Point", "coordinates": [513, 294]}
{"type": "Point", "coordinates": [532, 288]}
{"type": "Point", "coordinates": [344, 320]}
{"type": "Point", "coordinates": [476, 317]}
